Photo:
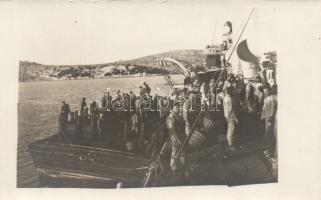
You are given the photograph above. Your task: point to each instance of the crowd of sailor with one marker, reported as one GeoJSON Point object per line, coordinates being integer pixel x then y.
{"type": "Point", "coordinates": [245, 108]}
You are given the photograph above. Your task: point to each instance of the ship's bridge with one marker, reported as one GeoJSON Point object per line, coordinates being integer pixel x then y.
{"type": "Point", "coordinates": [215, 56]}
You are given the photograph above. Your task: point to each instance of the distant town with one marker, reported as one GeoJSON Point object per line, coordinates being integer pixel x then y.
{"type": "Point", "coordinates": [145, 66]}
{"type": "Point", "coordinates": [84, 71]}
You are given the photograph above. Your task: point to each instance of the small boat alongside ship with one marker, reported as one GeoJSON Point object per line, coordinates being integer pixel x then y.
{"type": "Point", "coordinates": [62, 164]}
{"type": "Point", "coordinates": [74, 159]}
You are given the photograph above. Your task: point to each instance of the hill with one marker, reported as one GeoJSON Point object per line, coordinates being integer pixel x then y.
{"type": "Point", "coordinates": [32, 71]}
{"type": "Point", "coordinates": [186, 56]}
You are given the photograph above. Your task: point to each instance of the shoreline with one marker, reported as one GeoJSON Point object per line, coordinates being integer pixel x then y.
{"type": "Point", "coordinates": [87, 78]}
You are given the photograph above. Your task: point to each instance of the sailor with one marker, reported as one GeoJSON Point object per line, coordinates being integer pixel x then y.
{"type": "Point", "coordinates": [220, 92]}
{"type": "Point", "coordinates": [145, 107]}
{"type": "Point", "coordinates": [134, 122]}
{"type": "Point", "coordinates": [155, 103]}
{"type": "Point", "coordinates": [118, 96]}
{"type": "Point", "coordinates": [148, 89]}
{"type": "Point", "coordinates": [104, 101]}
{"type": "Point", "coordinates": [83, 106]}
{"type": "Point", "coordinates": [63, 118]}
{"type": "Point", "coordinates": [204, 91]}
{"type": "Point", "coordinates": [132, 97]}
{"type": "Point", "coordinates": [196, 85]}
{"type": "Point", "coordinates": [211, 95]}
{"type": "Point", "coordinates": [163, 107]}
{"type": "Point", "coordinates": [125, 117]}
{"type": "Point", "coordinates": [175, 94]}
{"type": "Point", "coordinates": [94, 115]}
{"type": "Point", "coordinates": [142, 91]}
{"type": "Point", "coordinates": [231, 116]}
{"type": "Point", "coordinates": [174, 97]}
{"type": "Point", "coordinates": [65, 110]}
{"type": "Point", "coordinates": [175, 124]}
{"type": "Point", "coordinates": [240, 88]}
{"type": "Point", "coordinates": [109, 101]}
{"type": "Point", "coordinates": [268, 115]}
{"type": "Point", "coordinates": [102, 128]}
{"type": "Point", "coordinates": [117, 115]}
{"type": "Point", "coordinates": [260, 96]}
{"type": "Point", "coordinates": [191, 109]}
{"type": "Point", "coordinates": [251, 117]}
{"type": "Point", "coordinates": [126, 101]}
{"type": "Point", "coordinates": [258, 124]}
{"type": "Point", "coordinates": [250, 98]}
{"type": "Point", "coordinates": [94, 109]}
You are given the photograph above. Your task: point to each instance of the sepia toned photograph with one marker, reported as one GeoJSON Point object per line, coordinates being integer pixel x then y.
{"type": "Point", "coordinates": [141, 95]}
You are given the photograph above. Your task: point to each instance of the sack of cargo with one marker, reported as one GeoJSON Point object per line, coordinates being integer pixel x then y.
{"type": "Point", "coordinates": [213, 127]}
{"type": "Point", "coordinates": [208, 124]}
{"type": "Point", "coordinates": [197, 139]}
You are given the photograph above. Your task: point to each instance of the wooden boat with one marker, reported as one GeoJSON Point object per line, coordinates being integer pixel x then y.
{"type": "Point", "coordinates": [74, 159]}
{"type": "Point", "coordinates": [63, 164]}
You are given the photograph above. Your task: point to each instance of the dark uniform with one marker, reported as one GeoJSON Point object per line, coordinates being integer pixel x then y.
{"type": "Point", "coordinates": [65, 110]}
{"type": "Point", "coordinates": [94, 116]}
{"type": "Point", "coordinates": [63, 118]}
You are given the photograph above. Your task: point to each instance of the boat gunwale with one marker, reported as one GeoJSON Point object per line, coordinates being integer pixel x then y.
{"type": "Point", "coordinates": [46, 141]}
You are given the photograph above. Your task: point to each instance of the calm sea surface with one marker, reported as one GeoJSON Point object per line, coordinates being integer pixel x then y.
{"type": "Point", "coordinates": [39, 106]}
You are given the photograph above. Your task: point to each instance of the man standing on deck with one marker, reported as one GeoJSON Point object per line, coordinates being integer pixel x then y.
{"type": "Point", "coordinates": [176, 124]}
{"type": "Point", "coordinates": [132, 97]}
{"type": "Point", "coordinates": [83, 106]}
{"type": "Point", "coordinates": [147, 89]}
{"type": "Point", "coordinates": [119, 97]}
{"type": "Point", "coordinates": [63, 118]}
{"type": "Point", "coordinates": [65, 110]}
{"type": "Point", "coordinates": [103, 102]}
{"type": "Point", "coordinates": [231, 116]}
{"type": "Point", "coordinates": [219, 93]}
{"type": "Point", "coordinates": [268, 114]}
{"type": "Point", "coordinates": [250, 115]}
{"type": "Point", "coordinates": [94, 116]}
{"type": "Point", "coordinates": [109, 101]}
{"type": "Point", "coordinates": [191, 108]}
{"type": "Point", "coordinates": [142, 91]}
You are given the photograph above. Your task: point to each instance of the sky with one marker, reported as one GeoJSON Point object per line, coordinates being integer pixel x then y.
{"type": "Point", "coordinates": [83, 33]}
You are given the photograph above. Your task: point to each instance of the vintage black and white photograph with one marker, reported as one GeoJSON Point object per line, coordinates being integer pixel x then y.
{"type": "Point", "coordinates": [144, 95]}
